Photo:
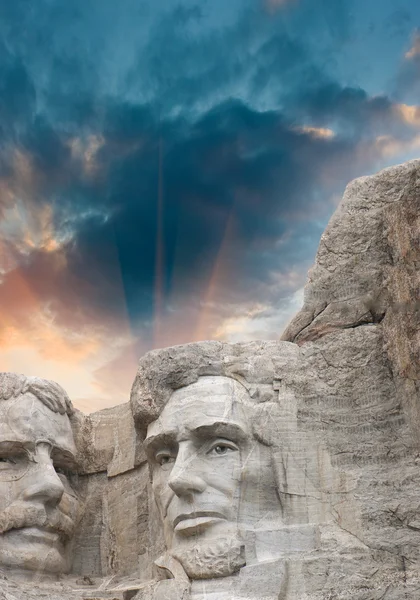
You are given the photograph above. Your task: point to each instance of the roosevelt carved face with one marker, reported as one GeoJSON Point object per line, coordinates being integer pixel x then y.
{"type": "Point", "coordinates": [211, 478]}
{"type": "Point", "coordinates": [37, 502]}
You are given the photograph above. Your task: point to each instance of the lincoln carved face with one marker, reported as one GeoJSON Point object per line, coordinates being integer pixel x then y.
{"type": "Point", "coordinates": [37, 502]}
{"type": "Point", "coordinates": [211, 478]}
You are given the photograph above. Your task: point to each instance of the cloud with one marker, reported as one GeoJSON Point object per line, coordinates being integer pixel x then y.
{"type": "Point", "coordinates": [406, 81]}
{"type": "Point", "coordinates": [320, 132]}
{"type": "Point", "coordinates": [260, 322]}
{"type": "Point", "coordinates": [17, 91]}
{"type": "Point", "coordinates": [390, 147]}
{"type": "Point", "coordinates": [52, 327]}
{"type": "Point", "coordinates": [414, 51]}
{"type": "Point", "coordinates": [409, 114]}
{"type": "Point", "coordinates": [84, 373]}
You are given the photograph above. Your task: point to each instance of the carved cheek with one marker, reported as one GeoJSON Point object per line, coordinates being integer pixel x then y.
{"type": "Point", "coordinates": [69, 505]}
{"type": "Point", "coordinates": [9, 491]}
{"type": "Point", "coordinates": [255, 463]}
{"type": "Point", "coordinates": [224, 474]}
{"type": "Point", "coordinates": [161, 490]}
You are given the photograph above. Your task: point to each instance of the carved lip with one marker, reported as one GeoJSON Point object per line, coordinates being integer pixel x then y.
{"type": "Point", "coordinates": [203, 516]}
{"type": "Point", "coordinates": [41, 534]}
{"type": "Point", "coordinates": [46, 532]}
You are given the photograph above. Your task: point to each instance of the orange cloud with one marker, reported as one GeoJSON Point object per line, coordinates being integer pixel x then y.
{"type": "Point", "coordinates": [232, 326]}
{"type": "Point", "coordinates": [33, 342]}
{"type": "Point", "coordinates": [409, 114]}
{"type": "Point", "coordinates": [317, 132]}
{"type": "Point", "coordinates": [25, 176]}
{"type": "Point", "coordinates": [220, 274]}
{"type": "Point", "coordinates": [259, 321]}
{"type": "Point", "coordinates": [83, 369]}
{"type": "Point", "coordinates": [50, 323]}
{"type": "Point", "coordinates": [389, 147]}
{"type": "Point", "coordinates": [415, 48]}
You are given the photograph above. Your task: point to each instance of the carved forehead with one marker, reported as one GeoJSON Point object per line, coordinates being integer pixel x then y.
{"type": "Point", "coordinates": [27, 419]}
{"type": "Point", "coordinates": [211, 399]}
{"type": "Point", "coordinates": [211, 387]}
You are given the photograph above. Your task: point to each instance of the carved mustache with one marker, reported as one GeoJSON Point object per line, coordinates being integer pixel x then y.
{"type": "Point", "coordinates": [19, 515]}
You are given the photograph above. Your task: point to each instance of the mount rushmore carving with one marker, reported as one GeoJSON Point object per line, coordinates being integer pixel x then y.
{"type": "Point", "coordinates": [277, 470]}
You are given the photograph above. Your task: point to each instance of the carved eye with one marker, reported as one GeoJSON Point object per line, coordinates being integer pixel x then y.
{"type": "Point", "coordinates": [13, 466]}
{"type": "Point", "coordinates": [12, 459]}
{"type": "Point", "coordinates": [164, 458]}
{"type": "Point", "coordinates": [222, 448]}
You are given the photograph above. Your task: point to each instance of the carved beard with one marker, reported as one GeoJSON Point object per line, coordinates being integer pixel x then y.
{"type": "Point", "coordinates": [217, 558]}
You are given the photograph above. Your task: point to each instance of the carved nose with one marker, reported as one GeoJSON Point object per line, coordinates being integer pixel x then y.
{"type": "Point", "coordinates": [46, 488]}
{"type": "Point", "coordinates": [44, 485]}
{"type": "Point", "coordinates": [185, 483]}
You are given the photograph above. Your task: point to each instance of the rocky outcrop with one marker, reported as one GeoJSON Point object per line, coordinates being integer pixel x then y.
{"type": "Point", "coordinates": [366, 267]}
{"type": "Point", "coordinates": [367, 271]}
{"type": "Point", "coordinates": [359, 330]}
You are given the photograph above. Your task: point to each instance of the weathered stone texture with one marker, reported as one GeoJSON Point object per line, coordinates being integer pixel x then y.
{"type": "Point", "coordinates": [107, 441]}
{"type": "Point", "coordinates": [359, 334]}
{"type": "Point", "coordinates": [367, 271]}
{"type": "Point", "coordinates": [114, 532]}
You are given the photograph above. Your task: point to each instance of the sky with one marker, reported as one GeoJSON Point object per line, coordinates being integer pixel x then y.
{"type": "Point", "coordinates": [167, 168]}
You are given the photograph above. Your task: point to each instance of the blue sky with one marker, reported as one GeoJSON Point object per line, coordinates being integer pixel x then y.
{"type": "Point", "coordinates": [167, 168]}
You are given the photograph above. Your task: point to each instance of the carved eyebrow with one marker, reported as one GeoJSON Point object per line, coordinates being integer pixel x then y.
{"type": "Point", "coordinates": [233, 431]}
{"type": "Point", "coordinates": [168, 439]}
{"type": "Point", "coordinates": [12, 445]}
{"type": "Point", "coordinates": [62, 456]}
{"type": "Point", "coordinates": [153, 442]}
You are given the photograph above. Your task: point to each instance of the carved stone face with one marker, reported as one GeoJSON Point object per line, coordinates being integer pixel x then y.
{"type": "Point", "coordinates": [37, 503]}
{"type": "Point", "coordinates": [211, 478]}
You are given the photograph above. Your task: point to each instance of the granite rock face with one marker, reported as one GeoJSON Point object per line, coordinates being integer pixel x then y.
{"type": "Point", "coordinates": [366, 266]}
{"type": "Point", "coordinates": [359, 327]}
{"type": "Point", "coordinates": [323, 472]}
{"type": "Point", "coordinates": [367, 271]}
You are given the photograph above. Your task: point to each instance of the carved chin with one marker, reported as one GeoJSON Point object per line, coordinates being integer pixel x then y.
{"type": "Point", "coordinates": [219, 558]}
{"type": "Point", "coordinates": [19, 552]}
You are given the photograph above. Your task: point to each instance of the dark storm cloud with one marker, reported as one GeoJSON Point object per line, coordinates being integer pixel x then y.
{"type": "Point", "coordinates": [185, 67]}
{"type": "Point", "coordinates": [349, 110]}
{"type": "Point", "coordinates": [236, 176]}
{"type": "Point", "coordinates": [46, 146]}
{"type": "Point", "coordinates": [224, 166]}
{"type": "Point", "coordinates": [17, 92]}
